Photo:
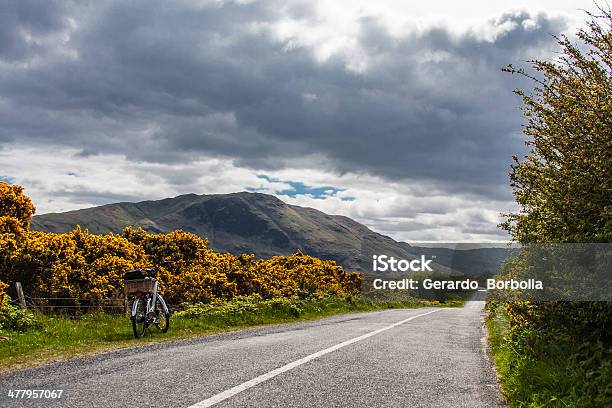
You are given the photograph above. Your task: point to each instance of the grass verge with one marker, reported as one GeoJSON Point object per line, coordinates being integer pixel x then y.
{"type": "Point", "coordinates": [60, 337]}
{"type": "Point", "coordinates": [548, 369]}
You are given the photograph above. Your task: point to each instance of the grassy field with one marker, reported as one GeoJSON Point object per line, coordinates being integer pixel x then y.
{"type": "Point", "coordinates": [63, 336]}
{"type": "Point", "coordinates": [548, 369]}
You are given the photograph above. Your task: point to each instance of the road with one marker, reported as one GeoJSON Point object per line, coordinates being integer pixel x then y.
{"type": "Point", "coordinates": [430, 357]}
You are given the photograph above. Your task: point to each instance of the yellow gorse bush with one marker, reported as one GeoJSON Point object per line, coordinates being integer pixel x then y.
{"type": "Point", "coordinates": [81, 265]}
{"type": "Point", "coordinates": [15, 204]}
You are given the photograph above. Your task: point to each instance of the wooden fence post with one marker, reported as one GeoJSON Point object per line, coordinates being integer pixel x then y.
{"type": "Point", "coordinates": [20, 295]}
{"type": "Point", "coordinates": [126, 306]}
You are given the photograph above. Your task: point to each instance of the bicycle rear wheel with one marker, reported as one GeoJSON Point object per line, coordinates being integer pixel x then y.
{"type": "Point", "coordinates": [139, 318]}
{"type": "Point", "coordinates": [162, 317]}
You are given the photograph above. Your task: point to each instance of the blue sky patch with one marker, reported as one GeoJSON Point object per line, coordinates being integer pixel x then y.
{"type": "Point", "coordinates": [298, 188]}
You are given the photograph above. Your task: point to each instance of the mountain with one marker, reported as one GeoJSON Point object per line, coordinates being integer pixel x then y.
{"type": "Point", "coordinates": [239, 223]}
{"type": "Point", "coordinates": [243, 223]}
{"type": "Point", "coordinates": [482, 261]}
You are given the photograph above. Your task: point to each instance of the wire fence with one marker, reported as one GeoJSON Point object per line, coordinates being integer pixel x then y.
{"type": "Point", "coordinates": [69, 305]}
{"type": "Point", "coordinates": [121, 303]}
{"type": "Point", "coordinates": [73, 304]}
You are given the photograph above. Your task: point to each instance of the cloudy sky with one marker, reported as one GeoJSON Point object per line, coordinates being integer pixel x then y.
{"type": "Point", "coordinates": [394, 113]}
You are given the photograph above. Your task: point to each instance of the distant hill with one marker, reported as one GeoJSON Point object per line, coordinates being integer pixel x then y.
{"type": "Point", "coordinates": [242, 223]}
{"type": "Point", "coordinates": [482, 261]}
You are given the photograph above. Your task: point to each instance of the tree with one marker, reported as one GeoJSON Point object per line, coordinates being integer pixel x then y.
{"type": "Point", "coordinates": [564, 184]}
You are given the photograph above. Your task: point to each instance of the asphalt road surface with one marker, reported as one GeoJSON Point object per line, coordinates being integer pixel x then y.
{"type": "Point", "coordinates": [431, 357]}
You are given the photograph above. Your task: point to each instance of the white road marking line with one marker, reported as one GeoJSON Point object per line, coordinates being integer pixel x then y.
{"type": "Point", "coordinates": [222, 396]}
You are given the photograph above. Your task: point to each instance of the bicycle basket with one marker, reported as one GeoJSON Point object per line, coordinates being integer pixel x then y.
{"type": "Point", "coordinates": [142, 285]}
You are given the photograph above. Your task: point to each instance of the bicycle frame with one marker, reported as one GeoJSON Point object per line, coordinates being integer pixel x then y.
{"type": "Point", "coordinates": [151, 306]}
{"type": "Point", "coordinates": [151, 302]}
{"type": "Point", "coordinates": [154, 299]}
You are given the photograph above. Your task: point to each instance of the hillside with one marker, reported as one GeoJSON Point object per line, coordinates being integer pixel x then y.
{"type": "Point", "coordinates": [243, 223]}
{"type": "Point", "coordinates": [483, 261]}
{"type": "Point", "coordinates": [239, 223]}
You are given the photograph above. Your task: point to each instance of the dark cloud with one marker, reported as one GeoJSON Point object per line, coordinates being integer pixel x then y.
{"type": "Point", "coordinates": [168, 82]}
{"type": "Point", "coordinates": [24, 23]}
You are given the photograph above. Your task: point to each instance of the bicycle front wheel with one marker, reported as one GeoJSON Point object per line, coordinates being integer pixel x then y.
{"type": "Point", "coordinates": [162, 316]}
{"type": "Point", "coordinates": [139, 317]}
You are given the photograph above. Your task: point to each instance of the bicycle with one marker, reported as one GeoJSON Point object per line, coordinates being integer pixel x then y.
{"type": "Point", "coordinates": [148, 306]}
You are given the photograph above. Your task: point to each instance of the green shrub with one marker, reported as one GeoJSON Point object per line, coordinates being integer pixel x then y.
{"type": "Point", "coordinates": [244, 305]}
{"type": "Point", "coordinates": [548, 368]}
{"type": "Point", "coordinates": [14, 318]}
